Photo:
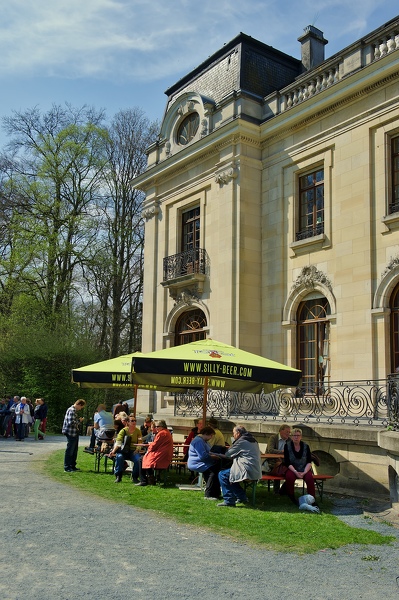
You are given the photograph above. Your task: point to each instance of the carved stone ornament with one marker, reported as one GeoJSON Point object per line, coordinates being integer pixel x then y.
{"type": "Point", "coordinates": [224, 176]}
{"type": "Point", "coordinates": [393, 263]}
{"type": "Point", "coordinates": [187, 297]}
{"type": "Point", "coordinates": [309, 277]}
{"type": "Point", "coordinates": [150, 212]}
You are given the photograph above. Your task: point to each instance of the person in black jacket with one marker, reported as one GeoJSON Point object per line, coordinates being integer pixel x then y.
{"type": "Point", "coordinates": [39, 414]}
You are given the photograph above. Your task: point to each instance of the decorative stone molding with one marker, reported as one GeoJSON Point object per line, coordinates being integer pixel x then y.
{"type": "Point", "coordinates": [188, 297]}
{"type": "Point", "coordinates": [150, 212]}
{"type": "Point", "coordinates": [309, 278]}
{"type": "Point", "coordinates": [393, 263]}
{"type": "Point", "coordinates": [226, 174]}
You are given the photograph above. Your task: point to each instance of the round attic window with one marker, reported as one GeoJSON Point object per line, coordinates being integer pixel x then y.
{"type": "Point", "coordinates": [188, 128]}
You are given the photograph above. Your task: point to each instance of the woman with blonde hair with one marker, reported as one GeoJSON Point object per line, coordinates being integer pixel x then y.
{"type": "Point", "coordinates": [298, 460]}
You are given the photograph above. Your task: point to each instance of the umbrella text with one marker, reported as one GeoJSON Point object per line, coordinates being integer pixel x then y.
{"type": "Point", "coordinates": [226, 370]}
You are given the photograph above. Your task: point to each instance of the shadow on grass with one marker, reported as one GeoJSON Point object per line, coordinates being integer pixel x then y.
{"type": "Point", "coordinates": [274, 523]}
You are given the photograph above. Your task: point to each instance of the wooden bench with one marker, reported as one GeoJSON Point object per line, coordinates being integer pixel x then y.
{"type": "Point", "coordinates": [318, 480]}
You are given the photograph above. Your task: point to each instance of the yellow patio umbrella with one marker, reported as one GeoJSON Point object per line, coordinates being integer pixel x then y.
{"type": "Point", "coordinates": [211, 364]}
{"type": "Point", "coordinates": [112, 373]}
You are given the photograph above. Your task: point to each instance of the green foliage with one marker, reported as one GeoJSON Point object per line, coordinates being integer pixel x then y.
{"type": "Point", "coordinates": [276, 523]}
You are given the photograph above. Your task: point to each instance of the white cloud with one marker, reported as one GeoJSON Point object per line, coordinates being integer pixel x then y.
{"type": "Point", "coordinates": [150, 39]}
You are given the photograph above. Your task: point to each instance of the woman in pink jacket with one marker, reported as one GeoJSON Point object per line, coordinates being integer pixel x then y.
{"type": "Point", "coordinates": [158, 455]}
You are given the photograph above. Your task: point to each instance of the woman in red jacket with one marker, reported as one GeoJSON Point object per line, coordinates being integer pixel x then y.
{"type": "Point", "coordinates": [158, 455]}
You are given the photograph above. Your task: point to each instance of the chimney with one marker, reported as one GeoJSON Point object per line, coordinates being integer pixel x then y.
{"type": "Point", "coordinates": [312, 47]}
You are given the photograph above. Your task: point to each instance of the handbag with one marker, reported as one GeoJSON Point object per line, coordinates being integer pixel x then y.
{"type": "Point", "coordinates": [279, 469]}
{"type": "Point", "coordinates": [125, 448]}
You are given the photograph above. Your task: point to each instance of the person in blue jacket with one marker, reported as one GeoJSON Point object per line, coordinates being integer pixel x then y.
{"type": "Point", "coordinates": [201, 461]}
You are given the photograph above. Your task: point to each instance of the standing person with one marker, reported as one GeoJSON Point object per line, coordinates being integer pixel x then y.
{"type": "Point", "coordinates": [40, 413]}
{"type": "Point", "coordinates": [8, 416]}
{"type": "Point", "coordinates": [299, 462]}
{"type": "Point", "coordinates": [22, 417]}
{"type": "Point", "coordinates": [132, 454]}
{"type": "Point", "coordinates": [120, 407]}
{"type": "Point", "coordinates": [70, 429]}
{"type": "Point", "coordinates": [276, 445]}
{"type": "Point", "coordinates": [246, 465]}
{"type": "Point", "coordinates": [43, 422]}
{"type": "Point", "coordinates": [158, 455]}
{"type": "Point", "coordinates": [199, 459]}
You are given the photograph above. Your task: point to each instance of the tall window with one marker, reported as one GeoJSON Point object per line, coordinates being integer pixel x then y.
{"type": "Point", "coordinates": [311, 204]}
{"type": "Point", "coordinates": [395, 329]}
{"type": "Point", "coordinates": [394, 200]}
{"type": "Point", "coordinates": [190, 327]}
{"type": "Point", "coordinates": [313, 344]}
{"type": "Point", "coordinates": [191, 229]}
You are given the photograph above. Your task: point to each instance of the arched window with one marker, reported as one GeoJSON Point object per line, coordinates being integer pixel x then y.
{"type": "Point", "coordinates": [190, 327]}
{"type": "Point", "coordinates": [314, 343]}
{"type": "Point", "coordinates": [394, 333]}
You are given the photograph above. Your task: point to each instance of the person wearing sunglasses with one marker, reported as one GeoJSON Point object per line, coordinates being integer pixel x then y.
{"type": "Point", "coordinates": [129, 429]}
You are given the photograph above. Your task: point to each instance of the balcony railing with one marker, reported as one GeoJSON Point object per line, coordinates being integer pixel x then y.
{"type": "Point", "coordinates": [374, 402]}
{"type": "Point", "coordinates": [309, 232]}
{"type": "Point", "coordinates": [185, 263]}
{"type": "Point", "coordinates": [331, 71]}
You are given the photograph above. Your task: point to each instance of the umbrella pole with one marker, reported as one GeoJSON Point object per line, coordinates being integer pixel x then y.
{"type": "Point", "coordinates": [135, 401]}
{"type": "Point", "coordinates": [204, 402]}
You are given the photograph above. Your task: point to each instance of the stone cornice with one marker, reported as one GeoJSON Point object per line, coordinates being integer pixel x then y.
{"type": "Point", "coordinates": [166, 169]}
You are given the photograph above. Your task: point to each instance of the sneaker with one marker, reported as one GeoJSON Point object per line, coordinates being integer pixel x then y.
{"type": "Point", "coordinates": [242, 502]}
{"type": "Point", "coordinates": [210, 498]}
{"type": "Point", "coordinates": [135, 480]}
{"type": "Point", "coordinates": [74, 469]}
{"type": "Point", "coordinates": [68, 470]}
{"type": "Point", "coordinates": [224, 504]}
{"type": "Point", "coordinates": [89, 450]}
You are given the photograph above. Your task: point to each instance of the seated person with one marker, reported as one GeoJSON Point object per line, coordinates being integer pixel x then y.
{"type": "Point", "coordinates": [151, 433]}
{"type": "Point", "coordinates": [193, 433]}
{"type": "Point", "coordinates": [246, 465]}
{"type": "Point", "coordinates": [158, 455]}
{"type": "Point", "coordinates": [298, 459]}
{"type": "Point", "coordinates": [276, 445]}
{"type": "Point", "coordinates": [129, 428]}
{"type": "Point", "coordinates": [103, 421]}
{"type": "Point", "coordinates": [146, 426]}
{"type": "Point", "coordinates": [216, 443]}
{"type": "Point", "coordinates": [200, 460]}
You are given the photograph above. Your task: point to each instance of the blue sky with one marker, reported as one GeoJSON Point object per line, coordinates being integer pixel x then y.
{"type": "Point", "coordinates": [115, 54]}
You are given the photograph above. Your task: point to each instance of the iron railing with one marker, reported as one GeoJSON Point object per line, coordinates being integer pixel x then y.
{"type": "Point", "coordinates": [185, 263]}
{"type": "Point", "coordinates": [373, 402]}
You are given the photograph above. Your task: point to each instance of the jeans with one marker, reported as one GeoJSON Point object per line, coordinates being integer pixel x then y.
{"type": "Point", "coordinates": [120, 463]}
{"type": "Point", "coordinates": [231, 491]}
{"type": "Point", "coordinates": [212, 487]}
{"type": "Point", "coordinates": [71, 452]}
{"type": "Point", "coordinates": [36, 428]}
{"type": "Point", "coordinates": [21, 431]}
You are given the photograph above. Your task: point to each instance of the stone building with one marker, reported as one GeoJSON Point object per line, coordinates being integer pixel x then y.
{"type": "Point", "coordinates": [272, 209]}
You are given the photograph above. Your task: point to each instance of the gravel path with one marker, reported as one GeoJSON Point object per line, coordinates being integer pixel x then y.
{"type": "Point", "coordinates": [58, 543]}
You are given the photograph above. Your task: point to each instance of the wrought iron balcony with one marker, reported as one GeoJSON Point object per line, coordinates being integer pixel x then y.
{"type": "Point", "coordinates": [189, 263]}
{"type": "Point", "coordinates": [309, 232]}
{"type": "Point", "coordinates": [374, 402]}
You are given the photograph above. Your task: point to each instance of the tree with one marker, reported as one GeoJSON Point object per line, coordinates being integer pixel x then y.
{"type": "Point", "coordinates": [57, 165]}
{"type": "Point", "coordinates": [116, 272]}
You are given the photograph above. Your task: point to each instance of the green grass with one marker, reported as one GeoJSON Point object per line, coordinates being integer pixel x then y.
{"type": "Point", "coordinates": [275, 523]}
